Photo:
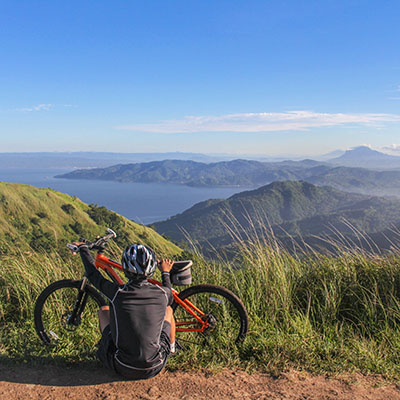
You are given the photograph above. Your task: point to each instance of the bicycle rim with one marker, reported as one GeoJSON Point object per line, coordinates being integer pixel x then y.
{"type": "Point", "coordinates": [54, 315]}
{"type": "Point", "coordinates": [225, 314]}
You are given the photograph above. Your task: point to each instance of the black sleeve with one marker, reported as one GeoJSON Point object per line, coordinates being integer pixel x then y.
{"type": "Point", "coordinates": [166, 282]}
{"type": "Point", "coordinates": [96, 279]}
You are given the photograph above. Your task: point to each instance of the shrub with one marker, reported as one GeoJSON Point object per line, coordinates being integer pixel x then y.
{"type": "Point", "coordinates": [42, 240]}
{"type": "Point", "coordinates": [77, 228]}
{"type": "Point", "coordinates": [68, 208]}
{"type": "Point", "coordinates": [35, 221]}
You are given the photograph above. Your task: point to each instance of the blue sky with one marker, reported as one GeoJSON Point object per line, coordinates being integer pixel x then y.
{"type": "Point", "coordinates": [259, 77]}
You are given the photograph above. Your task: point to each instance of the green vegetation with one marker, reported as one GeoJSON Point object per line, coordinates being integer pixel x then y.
{"type": "Point", "coordinates": [310, 312]}
{"type": "Point", "coordinates": [293, 210]}
{"type": "Point", "coordinates": [32, 218]}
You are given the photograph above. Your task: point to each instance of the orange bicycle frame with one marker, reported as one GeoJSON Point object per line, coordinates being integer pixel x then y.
{"type": "Point", "coordinates": [198, 324]}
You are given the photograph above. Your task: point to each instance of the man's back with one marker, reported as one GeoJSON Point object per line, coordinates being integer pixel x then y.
{"type": "Point", "coordinates": [137, 316]}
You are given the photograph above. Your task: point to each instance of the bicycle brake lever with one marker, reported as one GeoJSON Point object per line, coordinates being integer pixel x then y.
{"type": "Point", "coordinates": [73, 248]}
{"type": "Point", "coordinates": [111, 232]}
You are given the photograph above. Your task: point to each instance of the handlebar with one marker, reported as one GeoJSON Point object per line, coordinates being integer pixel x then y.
{"type": "Point", "coordinates": [99, 244]}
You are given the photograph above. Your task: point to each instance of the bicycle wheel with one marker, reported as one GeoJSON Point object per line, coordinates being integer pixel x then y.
{"type": "Point", "coordinates": [55, 320]}
{"type": "Point", "coordinates": [226, 314]}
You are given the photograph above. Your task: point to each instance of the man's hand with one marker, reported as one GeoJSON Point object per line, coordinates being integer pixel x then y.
{"type": "Point", "coordinates": [165, 265]}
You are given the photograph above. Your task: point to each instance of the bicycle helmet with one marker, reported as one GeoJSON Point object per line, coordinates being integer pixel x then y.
{"type": "Point", "coordinates": [139, 262]}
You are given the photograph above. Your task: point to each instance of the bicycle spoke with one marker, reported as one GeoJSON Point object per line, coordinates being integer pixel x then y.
{"type": "Point", "coordinates": [221, 318]}
{"type": "Point", "coordinates": [59, 321]}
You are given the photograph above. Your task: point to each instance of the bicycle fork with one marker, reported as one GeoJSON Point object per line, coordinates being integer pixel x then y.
{"type": "Point", "coordinates": [75, 318]}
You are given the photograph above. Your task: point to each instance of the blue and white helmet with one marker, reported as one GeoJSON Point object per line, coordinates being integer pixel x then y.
{"type": "Point", "coordinates": [139, 262]}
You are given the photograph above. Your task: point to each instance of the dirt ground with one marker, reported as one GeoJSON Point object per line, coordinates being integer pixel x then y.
{"type": "Point", "coordinates": [75, 383]}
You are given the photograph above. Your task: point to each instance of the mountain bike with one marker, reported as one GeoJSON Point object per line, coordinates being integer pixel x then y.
{"type": "Point", "coordinates": [204, 314]}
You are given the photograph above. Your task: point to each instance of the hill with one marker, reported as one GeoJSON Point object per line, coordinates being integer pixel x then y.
{"type": "Point", "coordinates": [297, 209]}
{"type": "Point", "coordinates": [247, 173]}
{"type": "Point", "coordinates": [46, 219]}
{"type": "Point", "coordinates": [224, 173]}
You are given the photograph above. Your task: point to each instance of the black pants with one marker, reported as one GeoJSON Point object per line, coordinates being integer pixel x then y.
{"type": "Point", "coordinates": [107, 349]}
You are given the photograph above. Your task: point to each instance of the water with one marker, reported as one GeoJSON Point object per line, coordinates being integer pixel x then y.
{"type": "Point", "coordinates": [142, 202]}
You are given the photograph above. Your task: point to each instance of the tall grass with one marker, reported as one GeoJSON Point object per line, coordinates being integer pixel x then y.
{"type": "Point", "coordinates": [335, 312]}
{"type": "Point", "coordinates": [322, 313]}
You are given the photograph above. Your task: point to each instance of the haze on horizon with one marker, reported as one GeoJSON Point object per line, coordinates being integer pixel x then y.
{"type": "Point", "coordinates": [278, 78]}
{"type": "Point", "coordinates": [157, 155]}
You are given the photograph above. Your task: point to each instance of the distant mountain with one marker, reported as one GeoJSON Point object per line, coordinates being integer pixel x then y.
{"type": "Point", "coordinates": [247, 173]}
{"type": "Point", "coordinates": [358, 157]}
{"type": "Point", "coordinates": [330, 155]}
{"type": "Point", "coordinates": [46, 219]}
{"type": "Point", "coordinates": [365, 157]}
{"type": "Point", "coordinates": [72, 160]}
{"type": "Point", "coordinates": [296, 209]}
{"type": "Point", "coordinates": [224, 173]}
{"type": "Point", "coordinates": [359, 180]}
{"type": "Point", "coordinates": [86, 159]}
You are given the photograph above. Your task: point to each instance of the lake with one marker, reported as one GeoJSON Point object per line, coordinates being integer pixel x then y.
{"type": "Point", "coordinates": [142, 202]}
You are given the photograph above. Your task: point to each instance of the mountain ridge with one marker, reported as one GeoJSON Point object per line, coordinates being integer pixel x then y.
{"type": "Point", "coordinates": [289, 209]}
{"type": "Point", "coordinates": [247, 173]}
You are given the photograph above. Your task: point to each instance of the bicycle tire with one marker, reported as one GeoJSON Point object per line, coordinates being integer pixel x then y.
{"type": "Point", "coordinates": [209, 298]}
{"type": "Point", "coordinates": [43, 305]}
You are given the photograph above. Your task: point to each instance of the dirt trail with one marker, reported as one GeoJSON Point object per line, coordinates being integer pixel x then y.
{"type": "Point", "coordinates": [75, 383]}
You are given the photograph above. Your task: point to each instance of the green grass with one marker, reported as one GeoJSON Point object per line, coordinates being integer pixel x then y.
{"type": "Point", "coordinates": [320, 313]}
{"type": "Point", "coordinates": [46, 219]}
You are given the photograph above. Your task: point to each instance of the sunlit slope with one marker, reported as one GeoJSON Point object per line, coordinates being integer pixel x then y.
{"type": "Point", "coordinates": [289, 209]}
{"type": "Point", "coordinates": [44, 218]}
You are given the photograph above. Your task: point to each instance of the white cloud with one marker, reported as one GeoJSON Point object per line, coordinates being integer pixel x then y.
{"type": "Point", "coordinates": [261, 122]}
{"type": "Point", "coordinates": [39, 107]}
{"type": "Point", "coordinates": [393, 149]}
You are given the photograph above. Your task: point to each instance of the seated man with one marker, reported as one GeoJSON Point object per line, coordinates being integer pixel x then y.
{"type": "Point", "coordinates": [138, 328]}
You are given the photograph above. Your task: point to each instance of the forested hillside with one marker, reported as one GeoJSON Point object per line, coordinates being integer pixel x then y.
{"type": "Point", "coordinates": [290, 209]}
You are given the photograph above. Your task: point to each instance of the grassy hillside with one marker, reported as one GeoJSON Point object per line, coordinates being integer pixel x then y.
{"type": "Point", "coordinates": [32, 218]}
{"type": "Point", "coordinates": [297, 209]}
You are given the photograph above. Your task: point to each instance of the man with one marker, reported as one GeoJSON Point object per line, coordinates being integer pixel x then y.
{"type": "Point", "coordinates": [138, 328]}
